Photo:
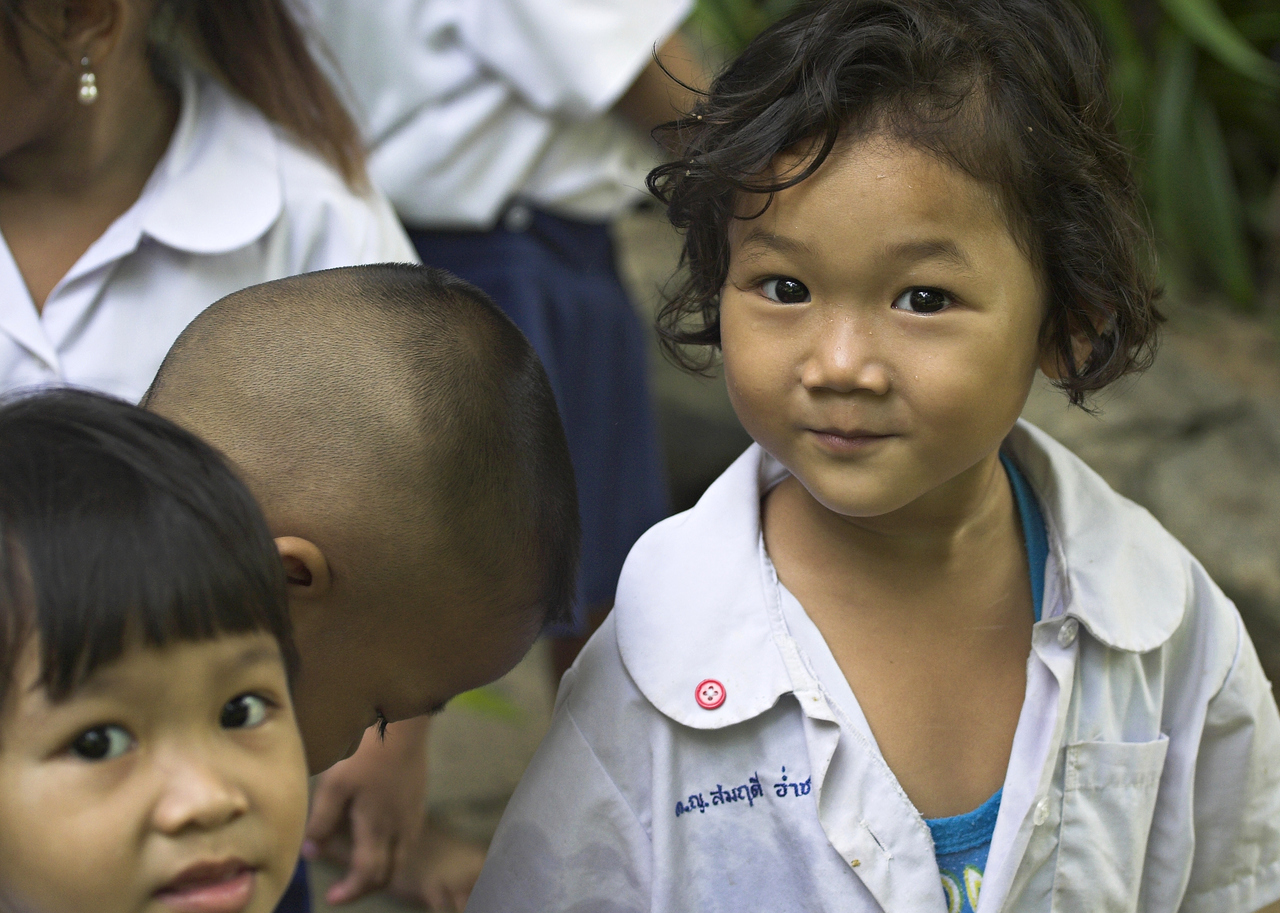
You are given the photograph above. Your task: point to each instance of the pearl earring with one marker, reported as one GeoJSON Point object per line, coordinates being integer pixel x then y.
{"type": "Point", "coordinates": [88, 92]}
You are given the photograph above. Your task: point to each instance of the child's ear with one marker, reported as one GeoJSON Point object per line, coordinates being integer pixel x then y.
{"type": "Point", "coordinates": [305, 568]}
{"type": "Point", "coordinates": [1051, 360]}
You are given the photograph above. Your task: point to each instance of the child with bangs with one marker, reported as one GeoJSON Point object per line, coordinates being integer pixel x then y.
{"type": "Point", "coordinates": [907, 653]}
{"type": "Point", "coordinates": [149, 757]}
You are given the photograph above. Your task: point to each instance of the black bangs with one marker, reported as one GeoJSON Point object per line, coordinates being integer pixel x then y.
{"type": "Point", "coordinates": [121, 528]}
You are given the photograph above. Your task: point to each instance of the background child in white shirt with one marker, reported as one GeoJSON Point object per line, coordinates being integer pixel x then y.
{"type": "Point", "coordinates": [149, 756]}
{"type": "Point", "coordinates": [155, 156]}
{"type": "Point", "coordinates": [879, 627]}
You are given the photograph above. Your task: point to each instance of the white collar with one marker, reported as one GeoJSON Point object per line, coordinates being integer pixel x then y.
{"type": "Point", "coordinates": [692, 604]}
{"type": "Point", "coordinates": [218, 186]}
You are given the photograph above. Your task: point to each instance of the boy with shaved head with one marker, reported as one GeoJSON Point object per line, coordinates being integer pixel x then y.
{"type": "Point", "coordinates": [403, 442]}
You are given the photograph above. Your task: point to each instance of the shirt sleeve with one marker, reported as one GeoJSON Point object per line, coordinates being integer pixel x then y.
{"type": "Point", "coordinates": [574, 57]}
{"type": "Point", "coordinates": [345, 229]}
{"type": "Point", "coordinates": [385, 240]}
{"type": "Point", "coordinates": [568, 840]}
{"type": "Point", "coordinates": [1237, 794]}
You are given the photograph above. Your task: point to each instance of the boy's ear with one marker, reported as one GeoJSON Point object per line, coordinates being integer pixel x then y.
{"type": "Point", "coordinates": [305, 568]}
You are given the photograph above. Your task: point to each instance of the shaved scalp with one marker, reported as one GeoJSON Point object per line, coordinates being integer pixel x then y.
{"type": "Point", "coordinates": [386, 403]}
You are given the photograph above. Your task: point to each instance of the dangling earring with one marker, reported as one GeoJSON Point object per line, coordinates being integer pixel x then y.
{"type": "Point", "coordinates": [88, 93]}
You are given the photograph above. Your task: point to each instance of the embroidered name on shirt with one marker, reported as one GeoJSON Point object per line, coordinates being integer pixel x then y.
{"type": "Point", "coordinates": [748, 792]}
{"type": "Point", "coordinates": [798, 789]}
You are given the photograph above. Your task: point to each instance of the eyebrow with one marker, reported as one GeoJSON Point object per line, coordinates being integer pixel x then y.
{"type": "Point", "coordinates": [257, 655]}
{"type": "Point", "coordinates": [929, 249]}
{"type": "Point", "coordinates": [905, 251]}
{"type": "Point", "coordinates": [103, 681]}
{"type": "Point", "coordinates": [769, 241]}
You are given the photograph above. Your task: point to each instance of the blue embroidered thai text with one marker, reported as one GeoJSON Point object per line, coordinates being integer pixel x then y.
{"type": "Point", "coordinates": [798, 788]}
{"type": "Point", "coordinates": [695, 803]}
{"type": "Point", "coordinates": [749, 791]}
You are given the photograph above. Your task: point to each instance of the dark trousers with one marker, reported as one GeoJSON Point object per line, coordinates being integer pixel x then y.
{"type": "Point", "coordinates": [556, 279]}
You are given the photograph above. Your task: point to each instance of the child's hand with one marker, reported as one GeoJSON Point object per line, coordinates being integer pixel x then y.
{"type": "Point", "coordinates": [439, 871]}
{"type": "Point", "coordinates": [369, 809]}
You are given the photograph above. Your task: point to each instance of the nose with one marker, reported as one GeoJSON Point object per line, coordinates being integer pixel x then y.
{"type": "Point", "coordinates": [847, 355]}
{"type": "Point", "coordinates": [197, 791]}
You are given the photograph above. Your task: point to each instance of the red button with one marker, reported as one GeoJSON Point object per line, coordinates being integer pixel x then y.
{"type": "Point", "coordinates": [709, 694]}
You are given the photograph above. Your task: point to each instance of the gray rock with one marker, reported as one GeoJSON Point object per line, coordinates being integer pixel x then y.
{"type": "Point", "coordinates": [1201, 451]}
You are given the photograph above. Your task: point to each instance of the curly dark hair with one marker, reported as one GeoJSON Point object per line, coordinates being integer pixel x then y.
{"type": "Point", "coordinates": [1011, 92]}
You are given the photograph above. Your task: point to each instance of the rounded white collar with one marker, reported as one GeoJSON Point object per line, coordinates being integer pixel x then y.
{"type": "Point", "coordinates": [218, 187]}
{"type": "Point", "coordinates": [692, 603]}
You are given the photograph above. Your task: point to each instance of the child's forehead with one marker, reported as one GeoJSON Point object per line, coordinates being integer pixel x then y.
{"type": "Point", "coordinates": [856, 173]}
{"type": "Point", "coordinates": [144, 669]}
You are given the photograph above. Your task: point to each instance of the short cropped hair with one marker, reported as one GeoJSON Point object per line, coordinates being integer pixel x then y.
{"type": "Point", "coordinates": [1011, 92]}
{"type": "Point", "coordinates": [501, 474]}
{"type": "Point", "coordinates": [117, 527]}
{"type": "Point", "coordinates": [400, 378]}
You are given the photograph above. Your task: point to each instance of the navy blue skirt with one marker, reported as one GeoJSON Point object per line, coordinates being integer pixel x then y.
{"type": "Point", "coordinates": [556, 279]}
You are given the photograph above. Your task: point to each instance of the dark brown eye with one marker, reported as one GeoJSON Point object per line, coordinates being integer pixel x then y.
{"type": "Point", "coordinates": [243, 712]}
{"type": "Point", "coordinates": [102, 743]}
{"type": "Point", "coordinates": [785, 291]}
{"type": "Point", "coordinates": [922, 300]}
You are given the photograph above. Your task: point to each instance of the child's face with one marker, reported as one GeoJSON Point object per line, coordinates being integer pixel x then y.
{"type": "Point", "coordinates": [172, 780]}
{"type": "Point", "coordinates": [880, 331]}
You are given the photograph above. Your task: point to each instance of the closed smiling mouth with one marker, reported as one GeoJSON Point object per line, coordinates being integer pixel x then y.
{"type": "Point", "coordinates": [848, 439]}
{"type": "Point", "coordinates": [851, 433]}
{"type": "Point", "coordinates": [224, 886]}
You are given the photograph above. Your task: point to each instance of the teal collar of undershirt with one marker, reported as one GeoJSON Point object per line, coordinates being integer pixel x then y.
{"type": "Point", "coordinates": [1033, 533]}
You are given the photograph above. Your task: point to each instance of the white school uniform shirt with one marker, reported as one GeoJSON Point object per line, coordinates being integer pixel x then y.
{"type": "Point", "coordinates": [1144, 774]}
{"type": "Point", "coordinates": [232, 202]}
{"type": "Point", "coordinates": [467, 105]}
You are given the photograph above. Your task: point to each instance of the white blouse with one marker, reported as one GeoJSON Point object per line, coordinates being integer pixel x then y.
{"type": "Point", "coordinates": [469, 104]}
{"type": "Point", "coordinates": [233, 202]}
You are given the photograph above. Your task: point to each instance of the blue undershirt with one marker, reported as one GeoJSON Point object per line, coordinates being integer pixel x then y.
{"type": "Point", "coordinates": [961, 843]}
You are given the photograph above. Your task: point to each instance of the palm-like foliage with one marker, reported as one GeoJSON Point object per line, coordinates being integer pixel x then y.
{"type": "Point", "coordinates": [1199, 101]}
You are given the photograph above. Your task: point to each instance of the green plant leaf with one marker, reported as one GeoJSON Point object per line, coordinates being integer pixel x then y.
{"type": "Point", "coordinates": [488, 701]}
{"type": "Point", "coordinates": [1130, 76]}
{"type": "Point", "coordinates": [1263, 26]}
{"type": "Point", "coordinates": [1169, 162]}
{"type": "Point", "coordinates": [1221, 229]}
{"type": "Point", "coordinates": [1206, 23]}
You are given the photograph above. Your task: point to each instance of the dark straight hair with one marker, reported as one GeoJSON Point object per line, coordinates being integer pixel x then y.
{"type": "Point", "coordinates": [258, 48]}
{"type": "Point", "coordinates": [118, 528]}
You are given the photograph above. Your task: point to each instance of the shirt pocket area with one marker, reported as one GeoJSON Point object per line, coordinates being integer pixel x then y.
{"type": "Point", "coordinates": [1108, 798]}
